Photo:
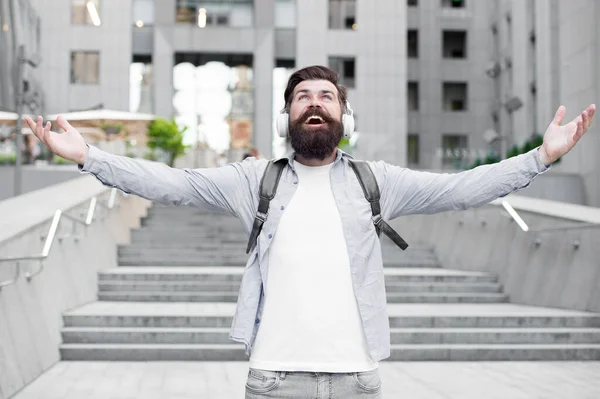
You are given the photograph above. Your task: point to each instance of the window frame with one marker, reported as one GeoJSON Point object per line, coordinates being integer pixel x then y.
{"type": "Point", "coordinates": [71, 69]}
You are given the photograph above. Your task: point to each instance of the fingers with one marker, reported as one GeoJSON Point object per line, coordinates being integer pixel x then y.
{"type": "Point", "coordinates": [579, 131]}
{"type": "Point", "coordinates": [42, 132]}
{"type": "Point", "coordinates": [62, 122]}
{"type": "Point", "coordinates": [560, 114]}
{"type": "Point", "coordinates": [591, 110]}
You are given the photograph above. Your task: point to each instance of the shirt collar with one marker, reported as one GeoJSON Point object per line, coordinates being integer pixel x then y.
{"type": "Point", "coordinates": [339, 155]}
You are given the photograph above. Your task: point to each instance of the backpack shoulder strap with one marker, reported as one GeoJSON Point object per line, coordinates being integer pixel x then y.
{"type": "Point", "coordinates": [370, 188]}
{"type": "Point", "coordinates": [267, 191]}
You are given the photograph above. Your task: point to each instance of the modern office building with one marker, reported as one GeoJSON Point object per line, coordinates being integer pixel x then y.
{"type": "Point", "coordinates": [434, 83]}
{"type": "Point", "coordinates": [222, 63]}
{"type": "Point", "coordinates": [20, 45]}
{"type": "Point", "coordinates": [577, 63]}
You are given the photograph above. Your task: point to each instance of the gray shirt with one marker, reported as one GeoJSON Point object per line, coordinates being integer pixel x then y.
{"type": "Point", "coordinates": [233, 189]}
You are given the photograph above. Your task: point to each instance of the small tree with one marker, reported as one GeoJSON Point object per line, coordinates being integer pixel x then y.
{"type": "Point", "coordinates": [166, 135]}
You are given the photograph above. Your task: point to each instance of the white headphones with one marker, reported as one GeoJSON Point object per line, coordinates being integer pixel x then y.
{"type": "Point", "coordinates": [283, 122]}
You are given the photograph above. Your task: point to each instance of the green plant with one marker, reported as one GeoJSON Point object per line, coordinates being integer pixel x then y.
{"type": "Point", "coordinates": [58, 160]}
{"type": "Point", "coordinates": [8, 159]}
{"type": "Point", "coordinates": [150, 155]}
{"type": "Point", "coordinates": [111, 128]}
{"type": "Point", "coordinates": [344, 145]}
{"type": "Point", "coordinates": [534, 141]}
{"type": "Point", "coordinates": [166, 135]}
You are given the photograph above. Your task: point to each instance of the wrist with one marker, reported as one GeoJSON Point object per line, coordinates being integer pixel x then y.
{"type": "Point", "coordinates": [84, 155]}
{"type": "Point", "coordinates": [544, 156]}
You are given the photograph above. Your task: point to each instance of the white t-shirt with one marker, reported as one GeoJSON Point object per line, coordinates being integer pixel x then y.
{"type": "Point", "coordinates": [310, 320]}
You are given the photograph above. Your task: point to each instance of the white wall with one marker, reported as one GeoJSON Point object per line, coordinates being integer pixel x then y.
{"type": "Point", "coordinates": [31, 311]}
{"type": "Point", "coordinates": [580, 85]}
{"type": "Point", "coordinates": [112, 39]}
{"type": "Point", "coordinates": [379, 48]}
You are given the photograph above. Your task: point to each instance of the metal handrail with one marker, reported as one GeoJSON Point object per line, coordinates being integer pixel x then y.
{"type": "Point", "coordinates": [41, 257]}
{"type": "Point", "coordinates": [49, 238]}
{"type": "Point", "coordinates": [517, 218]}
{"type": "Point", "coordinates": [88, 220]}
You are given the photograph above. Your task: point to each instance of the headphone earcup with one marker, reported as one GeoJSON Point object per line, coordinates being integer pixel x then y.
{"type": "Point", "coordinates": [348, 124]}
{"type": "Point", "coordinates": [283, 121]}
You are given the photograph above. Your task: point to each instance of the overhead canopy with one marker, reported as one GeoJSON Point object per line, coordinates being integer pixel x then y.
{"type": "Point", "coordinates": [103, 114]}
{"type": "Point", "coordinates": [8, 116]}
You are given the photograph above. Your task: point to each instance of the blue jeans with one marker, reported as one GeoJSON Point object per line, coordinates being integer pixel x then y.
{"type": "Point", "coordinates": [309, 385]}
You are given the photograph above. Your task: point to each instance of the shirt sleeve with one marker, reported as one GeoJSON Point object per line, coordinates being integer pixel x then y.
{"type": "Point", "coordinates": [224, 190]}
{"type": "Point", "coordinates": [407, 192]}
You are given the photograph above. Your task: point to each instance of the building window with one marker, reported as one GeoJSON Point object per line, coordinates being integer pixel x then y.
{"type": "Point", "coordinates": [412, 148]}
{"type": "Point", "coordinates": [455, 149]}
{"type": "Point", "coordinates": [345, 67]}
{"type": "Point", "coordinates": [285, 13]}
{"type": "Point", "coordinates": [342, 14]}
{"type": "Point", "coordinates": [140, 84]}
{"type": "Point", "coordinates": [85, 67]}
{"type": "Point", "coordinates": [412, 3]}
{"type": "Point", "coordinates": [455, 96]}
{"type": "Point", "coordinates": [85, 12]}
{"type": "Point", "coordinates": [204, 13]}
{"type": "Point", "coordinates": [413, 96]}
{"type": "Point", "coordinates": [143, 13]}
{"type": "Point", "coordinates": [453, 3]}
{"type": "Point", "coordinates": [454, 44]}
{"type": "Point", "coordinates": [413, 43]}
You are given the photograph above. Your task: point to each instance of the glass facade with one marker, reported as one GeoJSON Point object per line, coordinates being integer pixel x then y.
{"type": "Point", "coordinates": [206, 14]}
{"type": "Point", "coordinates": [85, 67]}
{"type": "Point", "coordinates": [85, 12]}
{"type": "Point", "coordinates": [214, 99]}
{"type": "Point", "coordinates": [143, 12]}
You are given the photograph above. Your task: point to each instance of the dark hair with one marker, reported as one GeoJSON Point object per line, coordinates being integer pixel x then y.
{"type": "Point", "coordinates": [315, 72]}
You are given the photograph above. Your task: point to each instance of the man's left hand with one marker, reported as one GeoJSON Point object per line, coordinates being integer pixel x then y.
{"type": "Point", "coordinates": [558, 140]}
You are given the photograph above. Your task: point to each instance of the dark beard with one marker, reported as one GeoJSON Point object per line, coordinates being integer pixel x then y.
{"type": "Point", "coordinates": [313, 143]}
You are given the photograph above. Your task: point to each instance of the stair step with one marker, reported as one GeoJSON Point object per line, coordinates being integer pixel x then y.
{"type": "Point", "coordinates": [228, 285]}
{"type": "Point", "coordinates": [232, 296]}
{"type": "Point", "coordinates": [165, 262]}
{"type": "Point", "coordinates": [495, 335]}
{"type": "Point", "coordinates": [497, 352]}
{"type": "Point", "coordinates": [163, 352]}
{"type": "Point", "coordinates": [235, 352]}
{"type": "Point", "coordinates": [197, 314]}
{"type": "Point", "coordinates": [112, 335]}
{"type": "Point", "coordinates": [412, 336]}
{"type": "Point", "coordinates": [145, 260]}
{"type": "Point", "coordinates": [168, 297]}
{"type": "Point", "coordinates": [231, 273]}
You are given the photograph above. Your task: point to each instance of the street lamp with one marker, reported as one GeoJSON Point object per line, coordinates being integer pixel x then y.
{"type": "Point", "coordinates": [34, 62]}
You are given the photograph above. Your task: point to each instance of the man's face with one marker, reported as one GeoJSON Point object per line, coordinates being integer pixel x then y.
{"type": "Point", "coordinates": [315, 119]}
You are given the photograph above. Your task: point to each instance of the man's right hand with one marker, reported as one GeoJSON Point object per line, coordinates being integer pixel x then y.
{"type": "Point", "coordinates": [69, 145]}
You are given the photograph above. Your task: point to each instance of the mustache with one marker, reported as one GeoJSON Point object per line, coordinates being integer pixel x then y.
{"type": "Point", "coordinates": [316, 112]}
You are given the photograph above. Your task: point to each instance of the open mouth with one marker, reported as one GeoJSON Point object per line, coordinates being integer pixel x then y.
{"type": "Point", "coordinates": [314, 120]}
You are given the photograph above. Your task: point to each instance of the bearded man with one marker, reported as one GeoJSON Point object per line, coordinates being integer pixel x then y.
{"type": "Point", "coordinates": [312, 308]}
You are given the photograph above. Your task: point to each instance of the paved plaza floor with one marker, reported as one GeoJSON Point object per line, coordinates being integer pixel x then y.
{"type": "Point", "coordinates": [411, 380]}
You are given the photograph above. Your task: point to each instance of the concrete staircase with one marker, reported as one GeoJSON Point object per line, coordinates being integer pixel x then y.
{"type": "Point", "coordinates": [173, 298]}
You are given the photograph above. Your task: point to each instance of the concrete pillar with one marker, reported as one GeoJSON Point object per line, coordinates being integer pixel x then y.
{"type": "Point", "coordinates": [263, 64]}
{"type": "Point", "coordinates": [163, 58]}
{"type": "Point", "coordinates": [311, 33]}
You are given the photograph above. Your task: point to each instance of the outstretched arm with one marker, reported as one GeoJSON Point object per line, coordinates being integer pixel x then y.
{"type": "Point", "coordinates": [408, 192]}
{"type": "Point", "coordinates": [223, 189]}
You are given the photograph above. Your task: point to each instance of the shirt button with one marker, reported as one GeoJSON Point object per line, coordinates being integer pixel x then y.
{"type": "Point", "coordinates": [295, 182]}
{"type": "Point", "coordinates": [282, 207]}
{"type": "Point", "coordinates": [270, 235]}
{"type": "Point", "coordinates": [257, 321]}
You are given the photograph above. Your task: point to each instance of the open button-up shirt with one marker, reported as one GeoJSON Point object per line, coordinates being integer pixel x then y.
{"type": "Point", "coordinates": [234, 189]}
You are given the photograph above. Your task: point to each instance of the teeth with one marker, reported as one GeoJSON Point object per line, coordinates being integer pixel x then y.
{"type": "Point", "coordinates": [315, 117]}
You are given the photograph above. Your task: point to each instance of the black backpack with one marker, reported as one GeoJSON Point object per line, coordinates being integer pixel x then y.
{"type": "Point", "coordinates": [270, 181]}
